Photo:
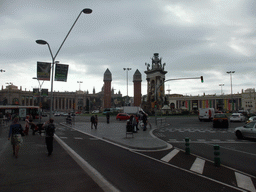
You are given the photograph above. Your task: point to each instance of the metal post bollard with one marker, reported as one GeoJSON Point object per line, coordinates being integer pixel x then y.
{"type": "Point", "coordinates": [216, 155]}
{"type": "Point", "coordinates": [187, 146]}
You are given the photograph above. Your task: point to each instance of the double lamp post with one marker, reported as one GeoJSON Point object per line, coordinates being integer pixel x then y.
{"type": "Point", "coordinates": [43, 42]}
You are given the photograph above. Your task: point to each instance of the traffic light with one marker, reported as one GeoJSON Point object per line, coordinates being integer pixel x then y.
{"type": "Point", "coordinates": [202, 79]}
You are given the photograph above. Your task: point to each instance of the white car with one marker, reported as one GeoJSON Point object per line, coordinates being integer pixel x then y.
{"type": "Point", "coordinates": [253, 118]}
{"type": "Point", "coordinates": [246, 131]}
{"type": "Point", "coordinates": [237, 117]}
{"type": "Point", "coordinates": [95, 111]}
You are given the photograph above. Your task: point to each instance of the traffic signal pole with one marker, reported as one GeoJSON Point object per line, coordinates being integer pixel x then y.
{"type": "Point", "coordinates": [202, 80]}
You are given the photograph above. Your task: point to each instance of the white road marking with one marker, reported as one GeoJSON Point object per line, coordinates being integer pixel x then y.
{"type": "Point", "coordinates": [170, 155]}
{"type": "Point", "coordinates": [78, 138]}
{"type": "Point", "coordinates": [244, 182]}
{"type": "Point", "coordinates": [63, 137]}
{"type": "Point", "coordinates": [201, 140]}
{"type": "Point", "coordinates": [198, 166]}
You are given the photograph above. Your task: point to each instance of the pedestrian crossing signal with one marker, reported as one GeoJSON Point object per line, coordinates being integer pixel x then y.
{"type": "Point", "coordinates": [202, 79]}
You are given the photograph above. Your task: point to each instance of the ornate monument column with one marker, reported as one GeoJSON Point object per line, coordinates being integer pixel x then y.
{"type": "Point", "coordinates": [107, 89]}
{"type": "Point", "coordinates": [155, 78]}
{"type": "Point", "coordinates": [137, 88]}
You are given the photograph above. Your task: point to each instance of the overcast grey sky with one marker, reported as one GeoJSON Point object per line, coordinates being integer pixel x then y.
{"type": "Point", "coordinates": [193, 38]}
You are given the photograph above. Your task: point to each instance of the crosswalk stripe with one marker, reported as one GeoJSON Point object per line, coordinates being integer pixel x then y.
{"type": "Point", "coordinates": [198, 166]}
{"type": "Point", "coordinates": [244, 182]}
{"type": "Point", "coordinates": [170, 155]}
{"type": "Point", "coordinates": [63, 137]}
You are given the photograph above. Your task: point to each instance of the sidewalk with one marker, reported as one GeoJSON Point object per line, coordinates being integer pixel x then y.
{"type": "Point", "coordinates": [33, 170]}
{"type": "Point", "coordinates": [116, 132]}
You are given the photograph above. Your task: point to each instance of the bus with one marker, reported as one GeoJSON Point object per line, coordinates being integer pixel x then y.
{"type": "Point", "coordinates": [21, 111]}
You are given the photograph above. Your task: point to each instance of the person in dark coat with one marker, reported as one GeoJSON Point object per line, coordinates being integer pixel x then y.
{"type": "Point", "coordinates": [144, 119]}
{"type": "Point", "coordinates": [49, 128]}
{"type": "Point", "coordinates": [15, 133]}
{"type": "Point", "coordinates": [92, 121]}
{"type": "Point", "coordinates": [107, 116]}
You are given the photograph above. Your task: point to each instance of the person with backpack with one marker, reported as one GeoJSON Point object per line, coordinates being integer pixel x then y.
{"type": "Point", "coordinates": [49, 128]}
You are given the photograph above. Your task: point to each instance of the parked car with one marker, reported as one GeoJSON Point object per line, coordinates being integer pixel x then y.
{"type": "Point", "coordinates": [56, 114]}
{"type": "Point", "coordinates": [220, 120]}
{"type": "Point", "coordinates": [237, 117]}
{"type": "Point", "coordinates": [122, 116]}
{"type": "Point", "coordinates": [252, 118]}
{"type": "Point", "coordinates": [95, 111]}
{"type": "Point", "coordinates": [246, 131]}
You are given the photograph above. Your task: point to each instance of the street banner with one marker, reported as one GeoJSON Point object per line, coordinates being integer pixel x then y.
{"type": "Point", "coordinates": [36, 92]}
{"type": "Point", "coordinates": [43, 71]}
{"type": "Point", "coordinates": [61, 72]}
{"type": "Point", "coordinates": [44, 92]}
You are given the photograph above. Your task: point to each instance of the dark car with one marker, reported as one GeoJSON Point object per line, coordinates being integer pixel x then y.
{"type": "Point", "coordinates": [122, 116]}
{"type": "Point", "coordinates": [220, 120]}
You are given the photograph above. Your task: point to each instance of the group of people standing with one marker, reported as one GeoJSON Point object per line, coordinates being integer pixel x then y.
{"type": "Point", "coordinates": [16, 132]}
{"type": "Point", "coordinates": [134, 121]}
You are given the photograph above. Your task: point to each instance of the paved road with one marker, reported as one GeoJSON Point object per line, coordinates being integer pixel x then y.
{"type": "Point", "coordinates": [239, 154]}
{"type": "Point", "coordinates": [131, 169]}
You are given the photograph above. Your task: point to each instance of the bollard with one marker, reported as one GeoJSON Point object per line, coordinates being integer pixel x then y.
{"type": "Point", "coordinates": [216, 155]}
{"type": "Point", "coordinates": [187, 146]}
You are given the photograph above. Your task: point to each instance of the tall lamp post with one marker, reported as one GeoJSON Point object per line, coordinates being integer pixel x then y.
{"type": "Point", "coordinates": [127, 69]}
{"type": "Point", "coordinates": [9, 92]}
{"type": "Point", "coordinates": [43, 42]}
{"type": "Point", "coordinates": [232, 102]}
{"type": "Point", "coordinates": [79, 84]}
{"type": "Point", "coordinates": [40, 97]}
{"type": "Point", "coordinates": [221, 85]}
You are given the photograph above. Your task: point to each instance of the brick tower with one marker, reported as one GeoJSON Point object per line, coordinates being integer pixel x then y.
{"type": "Point", "coordinates": [107, 89]}
{"type": "Point", "coordinates": [137, 88]}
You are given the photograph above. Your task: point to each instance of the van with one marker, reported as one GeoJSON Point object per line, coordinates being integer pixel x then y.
{"type": "Point", "coordinates": [206, 114]}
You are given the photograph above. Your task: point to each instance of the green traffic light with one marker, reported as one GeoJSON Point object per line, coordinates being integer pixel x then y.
{"type": "Point", "coordinates": [202, 79]}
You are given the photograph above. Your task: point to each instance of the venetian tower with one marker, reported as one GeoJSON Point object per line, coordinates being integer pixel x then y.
{"type": "Point", "coordinates": [137, 88]}
{"type": "Point", "coordinates": [155, 82]}
{"type": "Point", "coordinates": [107, 89]}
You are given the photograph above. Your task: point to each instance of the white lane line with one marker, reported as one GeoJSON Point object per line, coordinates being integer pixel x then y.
{"type": "Point", "coordinates": [198, 166]}
{"type": "Point", "coordinates": [78, 138]}
{"type": "Point", "coordinates": [244, 182]}
{"type": "Point", "coordinates": [170, 155]}
{"type": "Point", "coordinates": [63, 137]}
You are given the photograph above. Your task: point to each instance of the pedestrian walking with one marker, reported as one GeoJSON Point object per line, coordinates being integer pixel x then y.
{"type": "Point", "coordinates": [92, 121]}
{"type": "Point", "coordinates": [96, 122]}
{"type": "Point", "coordinates": [49, 128]}
{"type": "Point", "coordinates": [33, 126]}
{"type": "Point", "coordinates": [107, 116]}
{"type": "Point", "coordinates": [144, 119]}
{"type": "Point", "coordinates": [26, 125]}
{"type": "Point", "coordinates": [15, 133]}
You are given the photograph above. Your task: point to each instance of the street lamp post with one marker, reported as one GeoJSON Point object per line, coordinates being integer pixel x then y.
{"type": "Point", "coordinates": [127, 69]}
{"type": "Point", "coordinates": [221, 85]}
{"type": "Point", "coordinates": [79, 84]}
{"type": "Point", "coordinates": [43, 42]}
{"type": "Point", "coordinates": [9, 92]}
{"type": "Point", "coordinates": [40, 97]}
{"type": "Point", "coordinates": [232, 102]}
